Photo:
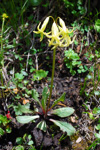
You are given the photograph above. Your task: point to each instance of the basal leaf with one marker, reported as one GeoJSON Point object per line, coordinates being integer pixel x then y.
{"type": "Point", "coordinates": [42, 126]}
{"type": "Point", "coordinates": [63, 112]}
{"type": "Point", "coordinates": [26, 119]}
{"type": "Point", "coordinates": [45, 94]}
{"type": "Point", "coordinates": [62, 98]}
{"type": "Point", "coordinates": [64, 126]}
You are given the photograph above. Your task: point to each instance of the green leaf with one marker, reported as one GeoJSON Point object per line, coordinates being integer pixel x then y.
{"type": "Point", "coordinates": [98, 127]}
{"type": "Point", "coordinates": [62, 98]}
{"type": "Point", "coordinates": [97, 135]}
{"type": "Point", "coordinates": [1, 131]}
{"type": "Point", "coordinates": [35, 96]}
{"type": "Point", "coordinates": [45, 95]}
{"type": "Point", "coordinates": [19, 147]}
{"type": "Point", "coordinates": [26, 119]}
{"type": "Point", "coordinates": [64, 126]}
{"type": "Point", "coordinates": [63, 112]}
{"type": "Point", "coordinates": [97, 25]}
{"type": "Point", "coordinates": [30, 142]}
{"type": "Point", "coordinates": [39, 74]}
{"type": "Point", "coordinates": [8, 129]}
{"type": "Point", "coordinates": [22, 109]}
{"type": "Point", "coordinates": [42, 126]}
{"type": "Point", "coordinates": [96, 110]}
{"type": "Point", "coordinates": [19, 76]}
{"type": "Point", "coordinates": [19, 140]}
{"type": "Point", "coordinates": [97, 93]}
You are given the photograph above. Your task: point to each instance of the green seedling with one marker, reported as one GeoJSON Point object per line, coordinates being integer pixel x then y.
{"type": "Point", "coordinates": [24, 142]}
{"type": "Point", "coordinates": [58, 36]}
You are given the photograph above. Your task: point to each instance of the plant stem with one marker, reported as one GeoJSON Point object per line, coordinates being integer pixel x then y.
{"type": "Point", "coordinates": [52, 77]}
{"type": "Point", "coordinates": [1, 53]}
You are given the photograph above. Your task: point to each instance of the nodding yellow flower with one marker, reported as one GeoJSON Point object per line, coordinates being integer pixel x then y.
{"type": "Point", "coordinates": [59, 35]}
{"type": "Point", "coordinates": [55, 39]}
{"type": "Point", "coordinates": [66, 41]}
{"type": "Point", "coordinates": [4, 15]}
{"type": "Point", "coordinates": [41, 30]}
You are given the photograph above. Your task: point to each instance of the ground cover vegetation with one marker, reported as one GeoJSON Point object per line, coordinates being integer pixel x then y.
{"type": "Point", "coordinates": [49, 75]}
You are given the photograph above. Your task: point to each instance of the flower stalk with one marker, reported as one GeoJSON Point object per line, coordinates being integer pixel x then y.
{"type": "Point", "coordinates": [52, 77]}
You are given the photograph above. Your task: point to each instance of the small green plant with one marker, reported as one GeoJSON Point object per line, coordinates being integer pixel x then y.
{"type": "Point", "coordinates": [24, 142]}
{"type": "Point", "coordinates": [4, 125]}
{"type": "Point", "coordinates": [72, 60]}
{"type": "Point", "coordinates": [58, 36]}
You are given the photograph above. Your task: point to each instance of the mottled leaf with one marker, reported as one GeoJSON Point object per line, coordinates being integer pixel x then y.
{"type": "Point", "coordinates": [26, 119]}
{"type": "Point", "coordinates": [63, 112]}
{"type": "Point", "coordinates": [42, 126]}
{"type": "Point", "coordinates": [64, 126]}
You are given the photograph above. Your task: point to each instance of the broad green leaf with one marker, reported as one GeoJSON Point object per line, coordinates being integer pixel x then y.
{"type": "Point", "coordinates": [26, 119]}
{"type": "Point", "coordinates": [42, 126]}
{"type": "Point", "coordinates": [62, 98]}
{"type": "Point", "coordinates": [63, 112]}
{"type": "Point", "coordinates": [45, 94]}
{"type": "Point", "coordinates": [39, 74]}
{"type": "Point", "coordinates": [64, 126]}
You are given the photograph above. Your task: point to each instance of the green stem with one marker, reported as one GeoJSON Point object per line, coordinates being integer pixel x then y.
{"type": "Point", "coordinates": [1, 53]}
{"type": "Point", "coordinates": [2, 42]}
{"type": "Point", "coordinates": [53, 71]}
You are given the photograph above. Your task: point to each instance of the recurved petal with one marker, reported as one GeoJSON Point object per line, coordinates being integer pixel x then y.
{"type": "Point", "coordinates": [45, 23]}
{"type": "Point", "coordinates": [62, 23]}
{"type": "Point", "coordinates": [37, 32]}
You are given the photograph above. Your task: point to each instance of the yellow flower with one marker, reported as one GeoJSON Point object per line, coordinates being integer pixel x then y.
{"type": "Point", "coordinates": [59, 33]}
{"type": "Point", "coordinates": [41, 30]}
{"type": "Point", "coordinates": [4, 15]}
{"type": "Point", "coordinates": [55, 39]}
{"type": "Point", "coordinates": [66, 41]}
